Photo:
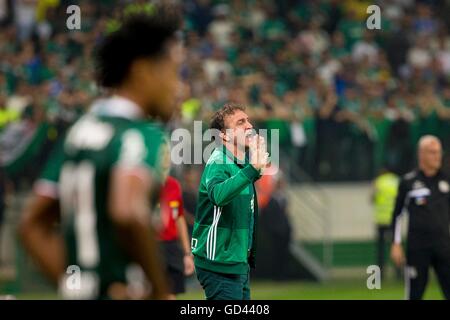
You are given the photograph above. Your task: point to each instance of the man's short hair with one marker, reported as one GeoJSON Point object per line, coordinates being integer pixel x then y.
{"type": "Point", "coordinates": [141, 35]}
{"type": "Point", "coordinates": [425, 140]}
{"type": "Point", "coordinates": [218, 119]}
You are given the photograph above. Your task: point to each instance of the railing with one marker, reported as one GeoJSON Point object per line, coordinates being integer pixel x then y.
{"type": "Point", "coordinates": [309, 209]}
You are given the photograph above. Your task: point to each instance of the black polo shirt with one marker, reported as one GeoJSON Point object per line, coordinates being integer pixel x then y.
{"type": "Point", "coordinates": [427, 201]}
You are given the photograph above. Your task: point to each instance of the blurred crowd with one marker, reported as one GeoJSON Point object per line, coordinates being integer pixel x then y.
{"type": "Point", "coordinates": [346, 100]}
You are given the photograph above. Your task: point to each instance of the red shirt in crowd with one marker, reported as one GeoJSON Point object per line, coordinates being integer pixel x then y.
{"type": "Point", "coordinates": [171, 207]}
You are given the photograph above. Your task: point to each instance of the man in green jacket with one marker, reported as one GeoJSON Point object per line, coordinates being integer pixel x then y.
{"type": "Point", "coordinates": [223, 239]}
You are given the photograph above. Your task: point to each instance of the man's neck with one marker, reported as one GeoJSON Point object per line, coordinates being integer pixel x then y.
{"type": "Point", "coordinates": [129, 95]}
{"type": "Point", "coordinates": [429, 172]}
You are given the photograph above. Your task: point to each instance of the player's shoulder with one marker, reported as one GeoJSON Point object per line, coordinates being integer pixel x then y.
{"type": "Point", "coordinates": [410, 175]}
{"type": "Point", "coordinates": [144, 127]}
{"type": "Point", "coordinates": [172, 186]}
{"type": "Point", "coordinates": [152, 136]}
{"type": "Point", "coordinates": [172, 181]}
{"type": "Point", "coordinates": [444, 175]}
{"type": "Point", "coordinates": [408, 179]}
{"type": "Point", "coordinates": [89, 132]}
{"type": "Point", "coordinates": [219, 157]}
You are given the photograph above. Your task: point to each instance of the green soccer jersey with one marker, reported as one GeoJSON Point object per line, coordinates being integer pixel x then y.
{"type": "Point", "coordinates": [223, 238]}
{"type": "Point", "coordinates": [79, 173]}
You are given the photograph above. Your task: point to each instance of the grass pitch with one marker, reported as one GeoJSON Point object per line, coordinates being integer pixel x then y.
{"type": "Point", "coordinates": [333, 290]}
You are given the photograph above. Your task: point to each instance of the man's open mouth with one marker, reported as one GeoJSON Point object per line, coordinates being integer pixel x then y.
{"type": "Point", "coordinates": [250, 133]}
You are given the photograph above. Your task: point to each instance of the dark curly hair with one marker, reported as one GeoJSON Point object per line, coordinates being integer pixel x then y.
{"type": "Point", "coordinates": [139, 35]}
{"type": "Point", "coordinates": [218, 119]}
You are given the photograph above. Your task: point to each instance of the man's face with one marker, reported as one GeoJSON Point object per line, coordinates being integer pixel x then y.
{"type": "Point", "coordinates": [161, 82]}
{"type": "Point", "coordinates": [430, 155]}
{"type": "Point", "coordinates": [238, 128]}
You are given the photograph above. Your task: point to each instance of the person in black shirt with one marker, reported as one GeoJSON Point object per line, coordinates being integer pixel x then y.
{"type": "Point", "coordinates": [425, 194]}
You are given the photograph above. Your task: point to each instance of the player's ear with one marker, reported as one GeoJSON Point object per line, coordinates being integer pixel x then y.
{"type": "Point", "coordinates": [224, 136]}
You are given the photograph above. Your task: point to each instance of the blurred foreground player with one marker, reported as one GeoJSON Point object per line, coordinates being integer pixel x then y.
{"type": "Point", "coordinates": [173, 233]}
{"type": "Point", "coordinates": [100, 181]}
{"type": "Point", "coordinates": [425, 193]}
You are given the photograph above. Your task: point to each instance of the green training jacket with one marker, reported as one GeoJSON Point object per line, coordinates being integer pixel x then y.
{"type": "Point", "coordinates": [223, 238]}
